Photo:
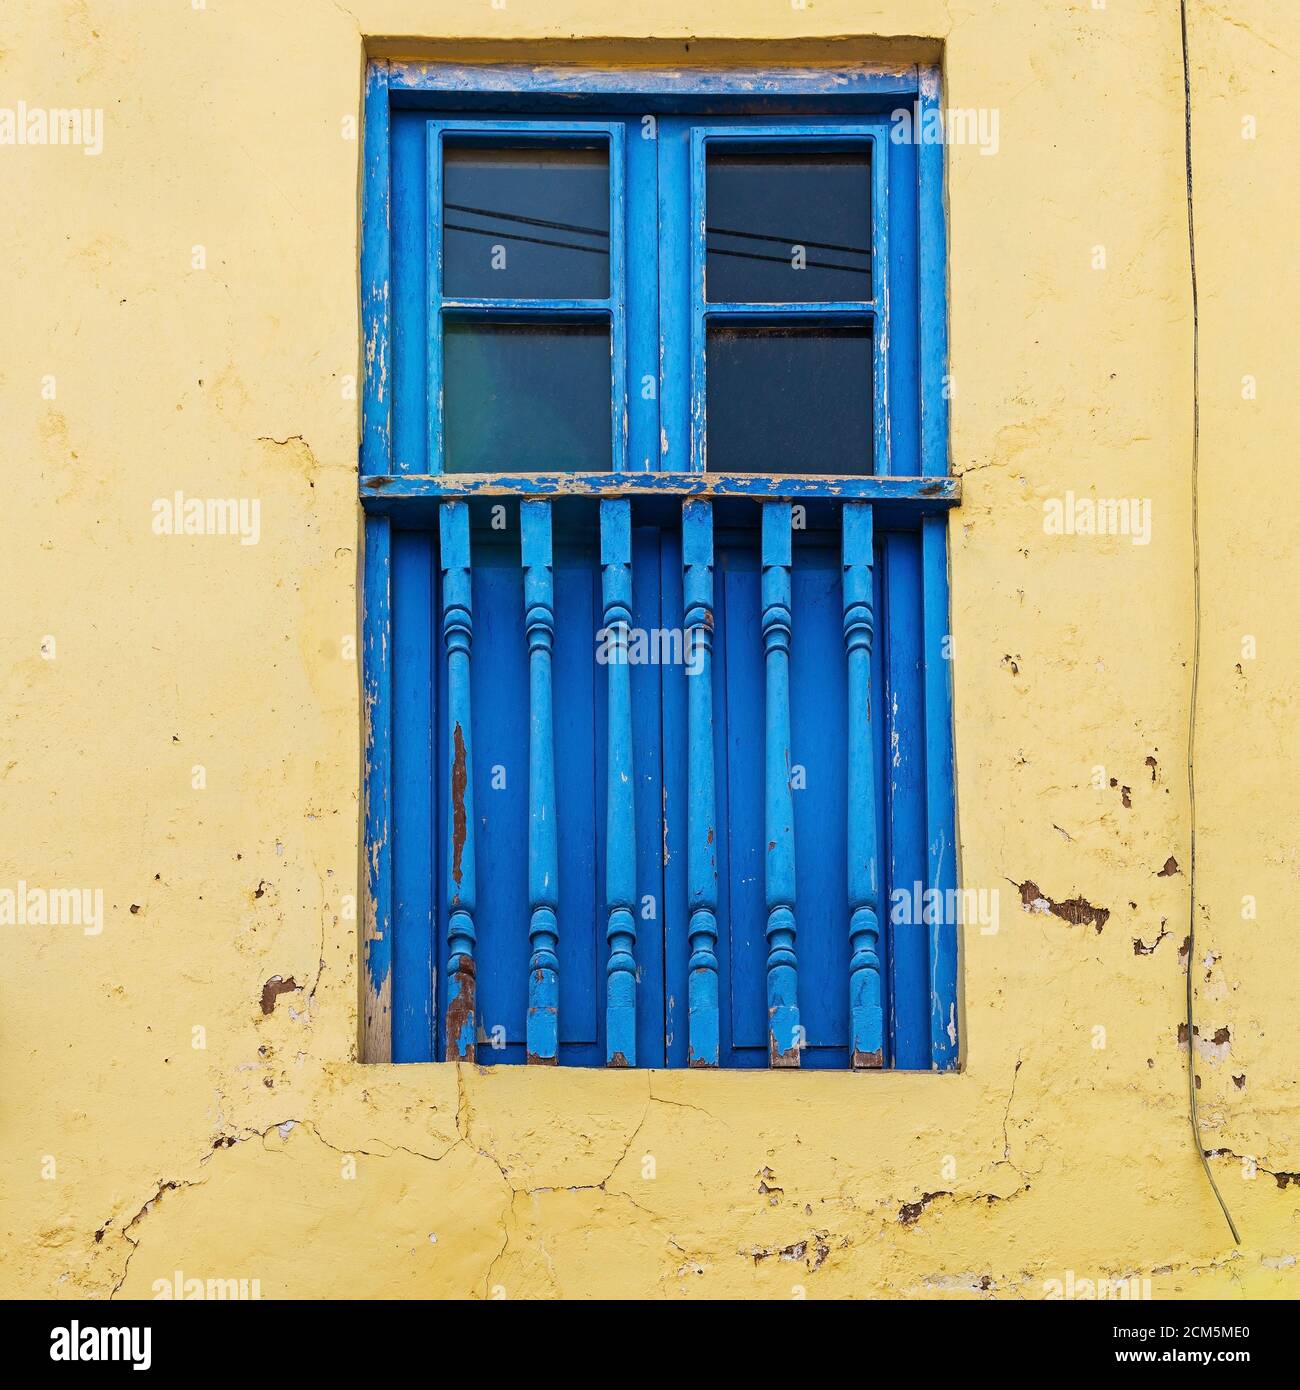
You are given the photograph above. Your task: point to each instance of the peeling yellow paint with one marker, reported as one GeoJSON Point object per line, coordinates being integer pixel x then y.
{"type": "Point", "coordinates": [270, 1153]}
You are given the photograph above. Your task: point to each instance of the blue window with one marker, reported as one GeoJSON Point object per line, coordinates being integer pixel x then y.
{"type": "Point", "coordinates": [658, 746]}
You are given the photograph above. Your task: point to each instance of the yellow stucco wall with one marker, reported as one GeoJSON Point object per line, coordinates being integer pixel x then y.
{"type": "Point", "coordinates": [128, 1153]}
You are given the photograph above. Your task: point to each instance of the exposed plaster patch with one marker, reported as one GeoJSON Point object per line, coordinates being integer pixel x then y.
{"type": "Point", "coordinates": [1077, 911]}
{"type": "Point", "coordinates": [814, 1250]}
{"type": "Point", "coordinates": [909, 1212]}
{"type": "Point", "coordinates": [275, 987]}
{"type": "Point", "coordinates": [1214, 1048]}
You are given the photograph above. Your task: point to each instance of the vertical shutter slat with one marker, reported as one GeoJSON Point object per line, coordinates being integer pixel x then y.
{"type": "Point", "coordinates": [377, 943]}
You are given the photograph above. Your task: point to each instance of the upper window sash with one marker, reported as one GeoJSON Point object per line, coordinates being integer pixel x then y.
{"type": "Point", "coordinates": [444, 308]}
{"type": "Point", "coordinates": [745, 136]}
{"type": "Point", "coordinates": [396, 469]}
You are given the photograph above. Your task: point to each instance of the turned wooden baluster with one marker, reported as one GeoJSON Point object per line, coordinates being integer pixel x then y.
{"type": "Point", "coordinates": [620, 809]}
{"type": "Point", "coordinates": [701, 852]}
{"type": "Point", "coordinates": [784, 1035]}
{"type": "Point", "coordinates": [866, 1015]}
{"type": "Point", "coordinates": [542, 1034]}
{"type": "Point", "coordinates": [458, 636]}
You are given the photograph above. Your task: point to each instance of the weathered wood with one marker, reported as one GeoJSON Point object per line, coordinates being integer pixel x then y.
{"type": "Point", "coordinates": [450, 73]}
{"type": "Point", "coordinates": [940, 795]}
{"type": "Point", "coordinates": [925, 494]}
{"type": "Point", "coordinates": [784, 1036]}
{"type": "Point", "coordinates": [620, 813]}
{"type": "Point", "coordinates": [542, 1031]}
{"type": "Point", "coordinates": [701, 835]}
{"type": "Point", "coordinates": [377, 916]}
{"type": "Point", "coordinates": [376, 270]}
{"type": "Point", "coordinates": [932, 281]}
{"type": "Point", "coordinates": [866, 1014]}
{"type": "Point", "coordinates": [458, 636]}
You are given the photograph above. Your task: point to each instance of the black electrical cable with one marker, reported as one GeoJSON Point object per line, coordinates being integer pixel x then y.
{"type": "Point", "coordinates": [1193, 1115]}
{"type": "Point", "coordinates": [791, 241]}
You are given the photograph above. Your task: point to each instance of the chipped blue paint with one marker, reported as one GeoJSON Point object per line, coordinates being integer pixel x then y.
{"type": "Point", "coordinates": [376, 323]}
{"type": "Point", "coordinates": [932, 288]}
{"type": "Point", "coordinates": [783, 1034]}
{"type": "Point", "coordinates": [458, 636]}
{"type": "Point", "coordinates": [940, 794]}
{"type": "Point", "coordinates": [620, 815]}
{"type": "Point", "coordinates": [866, 1015]}
{"type": "Point", "coordinates": [642, 297]}
{"type": "Point", "coordinates": [702, 823]}
{"type": "Point", "coordinates": [415, 791]}
{"type": "Point", "coordinates": [918, 495]}
{"type": "Point", "coordinates": [376, 626]}
{"type": "Point", "coordinates": [543, 855]}
{"type": "Point", "coordinates": [658, 85]}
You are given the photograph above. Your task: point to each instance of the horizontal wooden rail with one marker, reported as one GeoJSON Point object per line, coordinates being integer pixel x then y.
{"type": "Point", "coordinates": [380, 492]}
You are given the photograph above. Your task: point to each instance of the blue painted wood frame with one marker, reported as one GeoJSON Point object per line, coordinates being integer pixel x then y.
{"type": "Point", "coordinates": [667, 87]}
{"type": "Point", "coordinates": [543, 849]}
{"type": "Point", "coordinates": [418, 735]}
{"type": "Point", "coordinates": [442, 307]}
{"type": "Point", "coordinates": [932, 287]}
{"type": "Point", "coordinates": [871, 134]}
{"type": "Point", "coordinates": [941, 848]}
{"type": "Point", "coordinates": [377, 670]}
{"type": "Point", "coordinates": [391, 88]}
{"type": "Point", "coordinates": [376, 276]}
{"type": "Point", "coordinates": [620, 785]}
{"type": "Point", "coordinates": [383, 493]}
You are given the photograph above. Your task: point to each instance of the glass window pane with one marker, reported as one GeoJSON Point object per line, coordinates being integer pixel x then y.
{"type": "Point", "coordinates": [788, 228]}
{"type": "Point", "coordinates": [528, 222]}
{"type": "Point", "coordinates": [526, 398]}
{"type": "Point", "coordinates": [789, 399]}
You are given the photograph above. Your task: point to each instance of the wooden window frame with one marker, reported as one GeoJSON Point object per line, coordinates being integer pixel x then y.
{"type": "Point", "coordinates": [851, 103]}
